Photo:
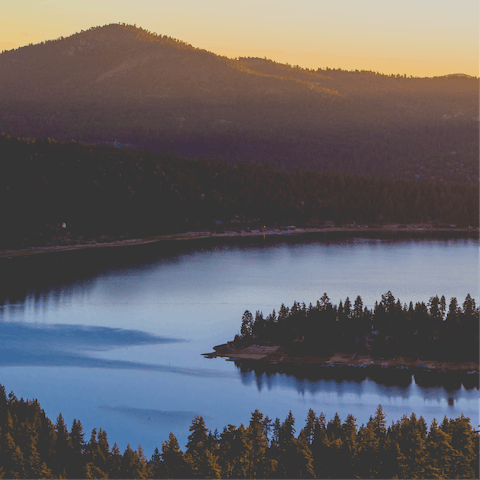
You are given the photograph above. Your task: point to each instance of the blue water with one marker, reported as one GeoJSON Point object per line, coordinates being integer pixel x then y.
{"type": "Point", "coordinates": [116, 341]}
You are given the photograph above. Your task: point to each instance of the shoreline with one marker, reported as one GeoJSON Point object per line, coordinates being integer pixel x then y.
{"type": "Point", "coordinates": [393, 228]}
{"type": "Point", "coordinates": [276, 355]}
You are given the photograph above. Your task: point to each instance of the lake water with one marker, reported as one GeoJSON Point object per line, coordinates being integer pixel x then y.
{"type": "Point", "coordinates": [114, 337]}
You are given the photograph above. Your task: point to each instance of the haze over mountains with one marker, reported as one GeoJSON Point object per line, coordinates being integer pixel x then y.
{"type": "Point", "coordinates": [122, 83]}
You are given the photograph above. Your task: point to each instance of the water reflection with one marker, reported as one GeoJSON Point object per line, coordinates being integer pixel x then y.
{"type": "Point", "coordinates": [61, 274]}
{"type": "Point", "coordinates": [199, 290]}
{"type": "Point", "coordinates": [389, 382]}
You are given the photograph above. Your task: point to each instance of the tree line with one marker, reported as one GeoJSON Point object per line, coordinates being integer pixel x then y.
{"type": "Point", "coordinates": [430, 331]}
{"type": "Point", "coordinates": [31, 446]}
{"type": "Point", "coordinates": [104, 190]}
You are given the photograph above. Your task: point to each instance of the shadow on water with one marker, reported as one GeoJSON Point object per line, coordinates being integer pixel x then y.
{"type": "Point", "coordinates": [157, 418]}
{"type": "Point", "coordinates": [346, 379]}
{"type": "Point", "coordinates": [34, 345]}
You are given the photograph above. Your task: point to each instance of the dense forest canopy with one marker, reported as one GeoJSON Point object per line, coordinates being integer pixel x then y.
{"type": "Point", "coordinates": [32, 446]}
{"type": "Point", "coordinates": [103, 190]}
{"type": "Point", "coordinates": [122, 83]}
{"type": "Point", "coordinates": [432, 330]}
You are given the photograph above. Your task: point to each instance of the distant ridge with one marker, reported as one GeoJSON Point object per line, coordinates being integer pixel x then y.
{"type": "Point", "coordinates": [457, 75]}
{"type": "Point", "coordinates": [126, 84]}
{"type": "Point", "coordinates": [128, 61]}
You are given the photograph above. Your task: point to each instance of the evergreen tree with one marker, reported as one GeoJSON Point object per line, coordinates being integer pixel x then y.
{"type": "Point", "coordinates": [347, 307]}
{"type": "Point", "coordinates": [349, 451]}
{"type": "Point", "coordinates": [358, 307]}
{"type": "Point", "coordinates": [78, 447]}
{"type": "Point", "coordinates": [13, 463]}
{"type": "Point", "coordinates": [310, 425]}
{"type": "Point", "coordinates": [242, 453]}
{"type": "Point", "coordinates": [115, 462]}
{"type": "Point", "coordinates": [128, 463]}
{"type": "Point", "coordinates": [247, 325]}
{"type": "Point", "coordinates": [174, 462]}
{"type": "Point", "coordinates": [226, 451]}
{"type": "Point", "coordinates": [63, 449]}
{"type": "Point", "coordinates": [157, 466]}
{"type": "Point", "coordinates": [259, 465]}
{"type": "Point", "coordinates": [368, 451]}
{"type": "Point", "coordinates": [198, 456]}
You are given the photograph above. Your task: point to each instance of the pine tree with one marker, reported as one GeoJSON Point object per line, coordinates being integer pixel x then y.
{"type": "Point", "coordinates": [63, 449]}
{"type": "Point", "coordinates": [198, 457]}
{"type": "Point", "coordinates": [247, 325]}
{"type": "Point", "coordinates": [78, 443]}
{"type": "Point", "coordinates": [103, 449]}
{"type": "Point", "coordinates": [157, 466]}
{"type": "Point", "coordinates": [349, 447]}
{"type": "Point", "coordinates": [347, 307]}
{"type": "Point", "coordinates": [226, 451]}
{"type": "Point", "coordinates": [301, 465]}
{"type": "Point", "coordinates": [173, 459]}
{"type": "Point", "coordinates": [439, 453]}
{"type": "Point", "coordinates": [463, 442]}
{"type": "Point", "coordinates": [128, 463]}
{"type": "Point", "coordinates": [310, 425]}
{"type": "Point", "coordinates": [241, 453]}
{"type": "Point", "coordinates": [368, 451]}
{"type": "Point", "coordinates": [259, 465]}
{"type": "Point", "coordinates": [141, 469]}
{"type": "Point", "coordinates": [115, 462]}
{"type": "Point", "coordinates": [14, 463]}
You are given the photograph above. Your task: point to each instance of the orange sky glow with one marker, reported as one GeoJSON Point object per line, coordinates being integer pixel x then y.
{"type": "Point", "coordinates": [413, 37]}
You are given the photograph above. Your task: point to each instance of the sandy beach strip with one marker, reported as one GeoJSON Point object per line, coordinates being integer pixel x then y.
{"type": "Point", "coordinates": [12, 253]}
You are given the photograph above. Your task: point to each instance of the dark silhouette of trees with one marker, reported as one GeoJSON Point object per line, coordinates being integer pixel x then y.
{"type": "Point", "coordinates": [333, 449]}
{"type": "Point", "coordinates": [420, 331]}
{"type": "Point", "coordinates": [106, 191]}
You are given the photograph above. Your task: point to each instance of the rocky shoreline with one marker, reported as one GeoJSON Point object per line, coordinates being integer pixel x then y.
{"type": "Point", "coordinates": [399, 370]}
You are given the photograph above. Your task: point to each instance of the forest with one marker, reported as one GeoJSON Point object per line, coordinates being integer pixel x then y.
{"type": "Point", "coordinates": [128, 193]}
{"type": "Point", "coordinates": [120, 83]}
{"type": "Point", "coordinates": [430, 331]}
{"type": "Point", "coordinates": [32, 446]}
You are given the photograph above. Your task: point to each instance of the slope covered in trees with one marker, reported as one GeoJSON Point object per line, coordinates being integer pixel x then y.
{"type": "Point", "coordinates": [103, 190]}
{"type": "Point", "coordinates": [122, 83]}
{"type": "Point", "coordinates": [31, 446]}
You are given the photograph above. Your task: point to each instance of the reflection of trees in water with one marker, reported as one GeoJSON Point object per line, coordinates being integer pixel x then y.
{"type": "Point", "coordinates": [53, 278]}
{"type": "Point", "coordinates": [49, 279]}
{"type": "Point", "coordinates": [45, 279]}
{"type": "Point", "coordinates": [43, 296]}
{"type": "Point", "coordinates": [388, 382]}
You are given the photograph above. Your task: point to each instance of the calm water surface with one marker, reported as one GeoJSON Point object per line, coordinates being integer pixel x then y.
{"type": "Point", "coordinates": [114, 338]}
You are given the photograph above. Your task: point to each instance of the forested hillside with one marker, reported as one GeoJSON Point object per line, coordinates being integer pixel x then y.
{"type": "Point", "coordinates": [103, 190]}
{"type": "Point", "coordinates": [31, 446]}
{"type": "Point", "coordinates": [122, 83]}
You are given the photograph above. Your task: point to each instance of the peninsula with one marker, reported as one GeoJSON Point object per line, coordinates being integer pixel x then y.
{"type": "Point", "coordinates": [392, 338]}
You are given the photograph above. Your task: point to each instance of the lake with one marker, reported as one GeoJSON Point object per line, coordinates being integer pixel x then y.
{"type": "Point", "coordinates": [114, 337]}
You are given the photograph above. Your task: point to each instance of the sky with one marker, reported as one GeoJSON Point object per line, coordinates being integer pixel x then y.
{"type": "Point", "coordinates": [413, 37]}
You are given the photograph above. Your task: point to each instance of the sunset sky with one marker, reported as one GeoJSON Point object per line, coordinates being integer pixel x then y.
{"type": "Point", "coordinates": [416, 37]}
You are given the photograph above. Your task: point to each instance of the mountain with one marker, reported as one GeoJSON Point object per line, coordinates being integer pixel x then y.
{"type": "Point", "coordinates": [120, 83]}
{"type": "Point", "coordinates": [124, 61]}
